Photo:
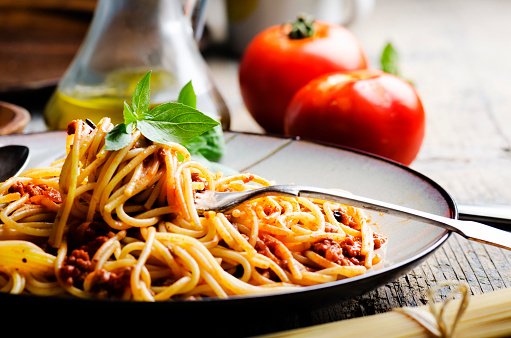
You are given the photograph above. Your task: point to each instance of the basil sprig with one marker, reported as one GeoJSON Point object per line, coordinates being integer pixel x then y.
{"type": "Point", "coordinates": [166, 123]}
{"type": "Point", "coordinates": [389, 60]}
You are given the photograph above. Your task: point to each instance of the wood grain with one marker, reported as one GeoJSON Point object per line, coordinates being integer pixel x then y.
{"type": "Point", "coordinates": [457, 53]}
{"type": "Point", "coordinates": [39, 40]}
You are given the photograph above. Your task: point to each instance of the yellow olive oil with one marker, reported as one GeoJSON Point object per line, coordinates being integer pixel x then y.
{"type": "Point", "coordinates": [78, 101]}
{"type": "Point", "coordinates": [62, 109]}
{"type": "Point", "coordinates": [93, 102]}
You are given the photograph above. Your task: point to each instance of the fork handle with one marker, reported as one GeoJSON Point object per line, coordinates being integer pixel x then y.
{"type": "Point", "coordinates": [471, 230]}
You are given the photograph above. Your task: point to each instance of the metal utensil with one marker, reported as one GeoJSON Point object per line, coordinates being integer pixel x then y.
{"type": "Point", "coordinates": [13, 159]}
{"type": "Point", "coordinates": [496, 215]}
{"type": "Point", "coordinates": [222, 201]}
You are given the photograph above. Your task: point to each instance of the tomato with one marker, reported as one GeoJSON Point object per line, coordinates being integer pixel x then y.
{"type": "Point", "coordinates": [275, 65]}
{"type": "Point", "coordinates": [367, 110]}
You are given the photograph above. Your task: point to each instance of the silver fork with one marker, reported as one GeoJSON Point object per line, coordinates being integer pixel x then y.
{"type": "Point", "coordinates": [224, 201]}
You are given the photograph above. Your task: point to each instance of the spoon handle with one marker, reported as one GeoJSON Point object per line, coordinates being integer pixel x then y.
{"type": "Point", "coordinates": [498, 216]}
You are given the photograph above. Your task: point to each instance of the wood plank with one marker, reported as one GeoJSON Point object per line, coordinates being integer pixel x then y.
{"type": "Point", "coordinates": [457, 52]}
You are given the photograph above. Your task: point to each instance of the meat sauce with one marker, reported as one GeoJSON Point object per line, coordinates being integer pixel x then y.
{"type": "Point", "coordinates": [346, 252]}
{"type": "Point", "coordinates": [346, 219]}
{"type": "Point", "coordinates": [84, 241]}
{"type": "Point", "coordinates": [40, 194]}
{"type": "Point", "coordinates": [111, 283]}
{"type": "Point", "coordinates": [266, 245]}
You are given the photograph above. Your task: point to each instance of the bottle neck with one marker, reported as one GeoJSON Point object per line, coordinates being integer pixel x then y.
{"type": "Point", "coordinates": [129, 34]}
{"type": "Point", "coordinates": [136, 11]}
{"type": "Point", "coordinates": [132, 23]}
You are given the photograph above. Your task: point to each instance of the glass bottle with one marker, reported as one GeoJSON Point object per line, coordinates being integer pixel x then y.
{"type": "Point", "coordinates": [126, 39]}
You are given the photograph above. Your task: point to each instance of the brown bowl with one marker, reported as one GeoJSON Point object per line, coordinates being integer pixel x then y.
{"type": "Point", "coordinates": [13, 118]}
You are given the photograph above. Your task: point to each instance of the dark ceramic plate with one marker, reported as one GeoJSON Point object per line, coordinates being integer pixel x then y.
{"type": "Point", "coordinates": [283, 161]}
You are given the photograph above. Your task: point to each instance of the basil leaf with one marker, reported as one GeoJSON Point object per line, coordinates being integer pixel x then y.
{"type": "Point", "coordinates": [170, 122]}
{"type": "Point", "coordinates": [129, 115]}
{"type": "Point", "coordinates": [211, 144]}
{"type": "Point", "coordinates": [141, 96]}
{"type": "Point", "coordinates": [187, 95]}
{"type": "Point", "coordinates": [119, 137]}
{"type": "Point", "coordinates": [389, 60]}
{"type": "Point", "coordinates": [174, 122]}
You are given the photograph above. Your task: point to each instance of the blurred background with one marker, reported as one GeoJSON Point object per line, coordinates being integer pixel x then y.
{"type": "Point", "coordinates": [449, 48]}
{"type": "Point", "coordinates": [456, 52]}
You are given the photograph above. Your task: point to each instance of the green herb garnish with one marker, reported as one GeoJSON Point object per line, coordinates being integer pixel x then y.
{"type": "Point", "coordinates": [187, 95]}
{"type": "Point", "coordinates": [119, 137]}
{"type": "Point", "coordinates": [389, 60]}
{"type": "Point", "coordinates": [209, 145]}
{"type": "Point", "coordinates": [166, 123]}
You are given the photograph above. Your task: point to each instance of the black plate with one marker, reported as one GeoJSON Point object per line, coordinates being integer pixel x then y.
{"type": "Point", "coordinates": [285, 161]}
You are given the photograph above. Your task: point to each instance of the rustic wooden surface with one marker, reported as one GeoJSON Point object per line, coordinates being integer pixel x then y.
{"type": "Point", "coordinates": [457, 53]}
{"type": "Point", "coordinates": [38, 41]}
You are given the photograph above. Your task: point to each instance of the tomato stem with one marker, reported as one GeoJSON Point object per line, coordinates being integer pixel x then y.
{"type": "Point", "coordinates": [302, 28]}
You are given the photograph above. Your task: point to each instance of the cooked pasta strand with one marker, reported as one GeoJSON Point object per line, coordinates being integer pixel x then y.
{"type": "Point", "coordinates": [123, 224]}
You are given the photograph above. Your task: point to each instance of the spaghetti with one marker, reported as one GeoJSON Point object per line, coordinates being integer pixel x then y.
{"type": "Point", "coordinates": [123, 224]}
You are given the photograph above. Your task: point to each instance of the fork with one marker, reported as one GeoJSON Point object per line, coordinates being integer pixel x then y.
{"type": "Point", "coordinates": [224, 201]}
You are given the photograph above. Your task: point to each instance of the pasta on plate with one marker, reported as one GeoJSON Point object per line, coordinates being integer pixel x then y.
{"type": "Point", "coordinates": [123, 225]}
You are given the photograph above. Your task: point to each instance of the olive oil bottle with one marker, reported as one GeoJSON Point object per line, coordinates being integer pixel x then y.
{"type": "Point", "coordinates": [126, 39]}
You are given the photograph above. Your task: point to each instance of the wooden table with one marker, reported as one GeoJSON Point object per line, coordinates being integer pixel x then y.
{"type": "Point", "coordinates": [457, 53]}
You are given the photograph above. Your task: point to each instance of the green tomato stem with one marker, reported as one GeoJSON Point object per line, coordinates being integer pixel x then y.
{"type": "Point", "coordinates": [302, 28]}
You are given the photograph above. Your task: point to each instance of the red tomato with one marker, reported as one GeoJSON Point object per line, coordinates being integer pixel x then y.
{"type": "Point", "coordinates": [274, 66]}
{"type": "Point", "coordinates": [368, 110]}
